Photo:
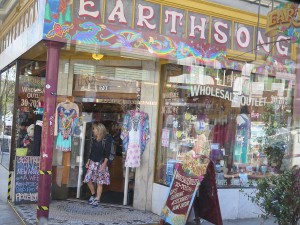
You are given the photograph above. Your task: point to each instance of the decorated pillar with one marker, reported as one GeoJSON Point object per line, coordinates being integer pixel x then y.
{"type": "Point", "coordinates": [44, 186]}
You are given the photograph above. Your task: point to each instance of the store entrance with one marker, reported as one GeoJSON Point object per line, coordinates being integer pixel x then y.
{"type": "Point", "coordinates": [111, 116]}
{"type": "Point", "coordinates": [68, 175]}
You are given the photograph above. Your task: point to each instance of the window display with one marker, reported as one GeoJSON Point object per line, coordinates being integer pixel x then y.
{"type": "Point", "coordinates": [67, 114]}
{"type": "Point", "coordinates": [135, 135]}
{"type": "Point", "coordinates": [227, 116]}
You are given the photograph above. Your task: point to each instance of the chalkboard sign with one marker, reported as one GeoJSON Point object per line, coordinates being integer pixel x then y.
{"type": "Point", "coordinates": [26, 179]}
{"type": "Point", "coordinates": [180, 198]}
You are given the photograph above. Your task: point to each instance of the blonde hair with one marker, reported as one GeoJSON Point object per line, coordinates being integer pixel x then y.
{"type": "Point", "coordinates": [101, 131]}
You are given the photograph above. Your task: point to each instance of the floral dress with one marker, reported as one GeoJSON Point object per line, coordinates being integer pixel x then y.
{"type": "Point", "coordinates": [135, 135]}
{"type": "Point", "coordinates": [66, 119]}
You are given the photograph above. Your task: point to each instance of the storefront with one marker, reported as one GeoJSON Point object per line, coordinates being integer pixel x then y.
{"type": "Point", "coordinates": [191, 72]}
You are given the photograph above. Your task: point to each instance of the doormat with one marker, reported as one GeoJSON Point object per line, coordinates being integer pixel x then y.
{"type": "Point", "coordinates": [75, 212]}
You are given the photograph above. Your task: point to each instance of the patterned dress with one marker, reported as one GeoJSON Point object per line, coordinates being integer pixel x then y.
{"type": "Point", "coordinates": [135, 135]}
{"type": "Point", "coordinates": [66, 119]}
{"type": "Point", "coordinates": [242, 140]}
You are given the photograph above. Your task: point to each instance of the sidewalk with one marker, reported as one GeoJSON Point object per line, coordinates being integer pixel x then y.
{"type": "Point", "coordinates": [76, 212]}
{"type": "Point", "coordinates": [254, 221]}
{"type": "Point", "coordinates": [64, 212]}
{"type": "Point", "coordinates": [7, 215]}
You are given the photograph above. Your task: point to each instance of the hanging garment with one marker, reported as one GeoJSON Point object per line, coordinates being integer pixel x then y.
{"type": "Point", "coordinates": [37, 135]}
{"type": "Point", "coordinates": [135, 135]}
{"type": "Point", "coordinates": [66, 119]}
{"type": "Point", "coordinates": [242, 140]}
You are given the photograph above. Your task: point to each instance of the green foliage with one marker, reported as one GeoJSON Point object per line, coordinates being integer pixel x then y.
{"type": "Point", "coordinates": [275, 141]}
{"type": "Point", "coordinates": [279, 196]}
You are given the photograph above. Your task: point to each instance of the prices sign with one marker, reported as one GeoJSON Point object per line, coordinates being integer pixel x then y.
{"type": "Point", "coordinates": [30, 91]}
{"type": "Point", "coordinates": [180, 198]}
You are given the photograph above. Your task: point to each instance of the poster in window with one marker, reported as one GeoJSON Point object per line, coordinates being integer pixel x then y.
{"type": "Point", "coordinates": [165, 139]}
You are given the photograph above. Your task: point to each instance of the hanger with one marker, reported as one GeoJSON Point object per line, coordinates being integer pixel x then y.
{"type": "Point", "coordinates": [138, 108]}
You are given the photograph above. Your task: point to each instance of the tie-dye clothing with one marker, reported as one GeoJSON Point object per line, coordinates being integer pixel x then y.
{"type": "Point", "coordinates": [66, 119]}
{"type": "Point", "coordinates": [135, 135]}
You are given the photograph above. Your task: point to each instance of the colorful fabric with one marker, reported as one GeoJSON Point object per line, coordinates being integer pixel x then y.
{"type": "Point", "coordinates": [67, 114]}
{"type": "Point", "coordinates": [242, 140]}
{"type": "Point", "coordinates": [95, 175]}
{"type": "Point", "coordinates": [137, 120]}
{"type": "Point", "coordinates": [135, 135]}
{"type": "Point", "coordinates": [133, 155]}
{"type": "Point", "coordinates": [206, 203]}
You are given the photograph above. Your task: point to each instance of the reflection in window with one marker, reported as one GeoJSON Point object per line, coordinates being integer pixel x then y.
{"type": "Point", "coordinates": [8, 81]}
{"type": "Point", "coordinates": [241, 122]}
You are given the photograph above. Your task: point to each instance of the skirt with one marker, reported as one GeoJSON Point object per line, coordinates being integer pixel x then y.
{"type": "Point", "coordinates": [94, 174]}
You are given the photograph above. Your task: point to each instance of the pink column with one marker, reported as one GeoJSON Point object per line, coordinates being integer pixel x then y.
{"type": "Point", "coordinates": [44, 187]}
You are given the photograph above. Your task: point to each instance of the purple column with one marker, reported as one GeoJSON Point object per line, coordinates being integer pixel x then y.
{"type": "Point", "coordinates": [44, 187]}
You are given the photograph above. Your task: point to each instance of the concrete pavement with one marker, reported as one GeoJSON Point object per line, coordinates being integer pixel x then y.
{"type": "Point", "coordinates": [7, 214]}
{"type": "Point", "coordinates": [253, 221]}
{"type": "Point", "coordinates": [9, 217]}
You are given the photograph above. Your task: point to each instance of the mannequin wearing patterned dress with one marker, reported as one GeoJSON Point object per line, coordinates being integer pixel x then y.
{"type": "Point", "coordinates": [66, 119]}
{"type": "Point", "coordinates": [135, 135]}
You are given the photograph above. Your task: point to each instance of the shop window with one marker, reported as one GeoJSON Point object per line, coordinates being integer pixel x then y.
{"type": "Point", "coordinates": [30, 107]}
{"type": "Point", "coordinates": [8, 85]}
{"type": "Point", "coordinates": [231, 118]}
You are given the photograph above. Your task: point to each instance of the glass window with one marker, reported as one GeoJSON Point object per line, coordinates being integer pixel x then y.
{"type": "Point", "coordinates": [8, 84]}
{"type": "Point", "coordinates": [241, 122]}
{"type": "Point", "coordinates": [30, 107]}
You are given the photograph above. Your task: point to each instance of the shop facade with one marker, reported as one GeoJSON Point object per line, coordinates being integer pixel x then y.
{"type": "Point", "coordinates": [190, 68]}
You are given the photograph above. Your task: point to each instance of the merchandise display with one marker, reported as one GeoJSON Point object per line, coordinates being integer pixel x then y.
{"type": "Point", "coordinates": [135, 135]}
{"type": "Point", "coordinates": [66, 119]}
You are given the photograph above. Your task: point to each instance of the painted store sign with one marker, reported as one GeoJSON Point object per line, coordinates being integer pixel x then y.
{"type": "Point", "coordinates": [284, 20]}
{"type": "Point", "coordinates": [162, 31]}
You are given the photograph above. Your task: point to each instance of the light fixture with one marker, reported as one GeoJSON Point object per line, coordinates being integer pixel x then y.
{"type": "Point", "coordinates": [29, 71]}
{"type": "Point", "coordinates": [26, 72]}
{"type": "Point", "coordinates": [36, 67]}
{"type": "Point", "coordinates": [97, 56]}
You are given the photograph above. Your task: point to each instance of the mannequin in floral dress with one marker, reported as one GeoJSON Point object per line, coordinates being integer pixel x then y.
{"type": "Point", "coordinates": [135, 135]}
{"type": "Point", "coordinates": [66, 119]}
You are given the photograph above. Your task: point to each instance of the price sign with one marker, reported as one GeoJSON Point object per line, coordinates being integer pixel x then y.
{"type": "Point", "coordinates": [26, 179]}
{"type": "Point", "coordinates": [31, 89]}
{"type": "Point", "coordinates": [180, 198]}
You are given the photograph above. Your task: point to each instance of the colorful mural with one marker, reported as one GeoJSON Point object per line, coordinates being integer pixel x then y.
{"type": "Point", "coordinates": [61, 24]}
{"type": "Point", "coordinates": [90, 33]}
{"type": "Point", "coordinates": [60, 27]}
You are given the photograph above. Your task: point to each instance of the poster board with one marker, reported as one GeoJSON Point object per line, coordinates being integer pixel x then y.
{"type": "Point", "coordinates": [180, 197]}
{"type": "Point", "coordinates": [26, 179]}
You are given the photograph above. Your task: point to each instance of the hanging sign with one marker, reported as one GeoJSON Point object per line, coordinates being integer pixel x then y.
{"type": "Point", "coordinates": [283, 20]}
